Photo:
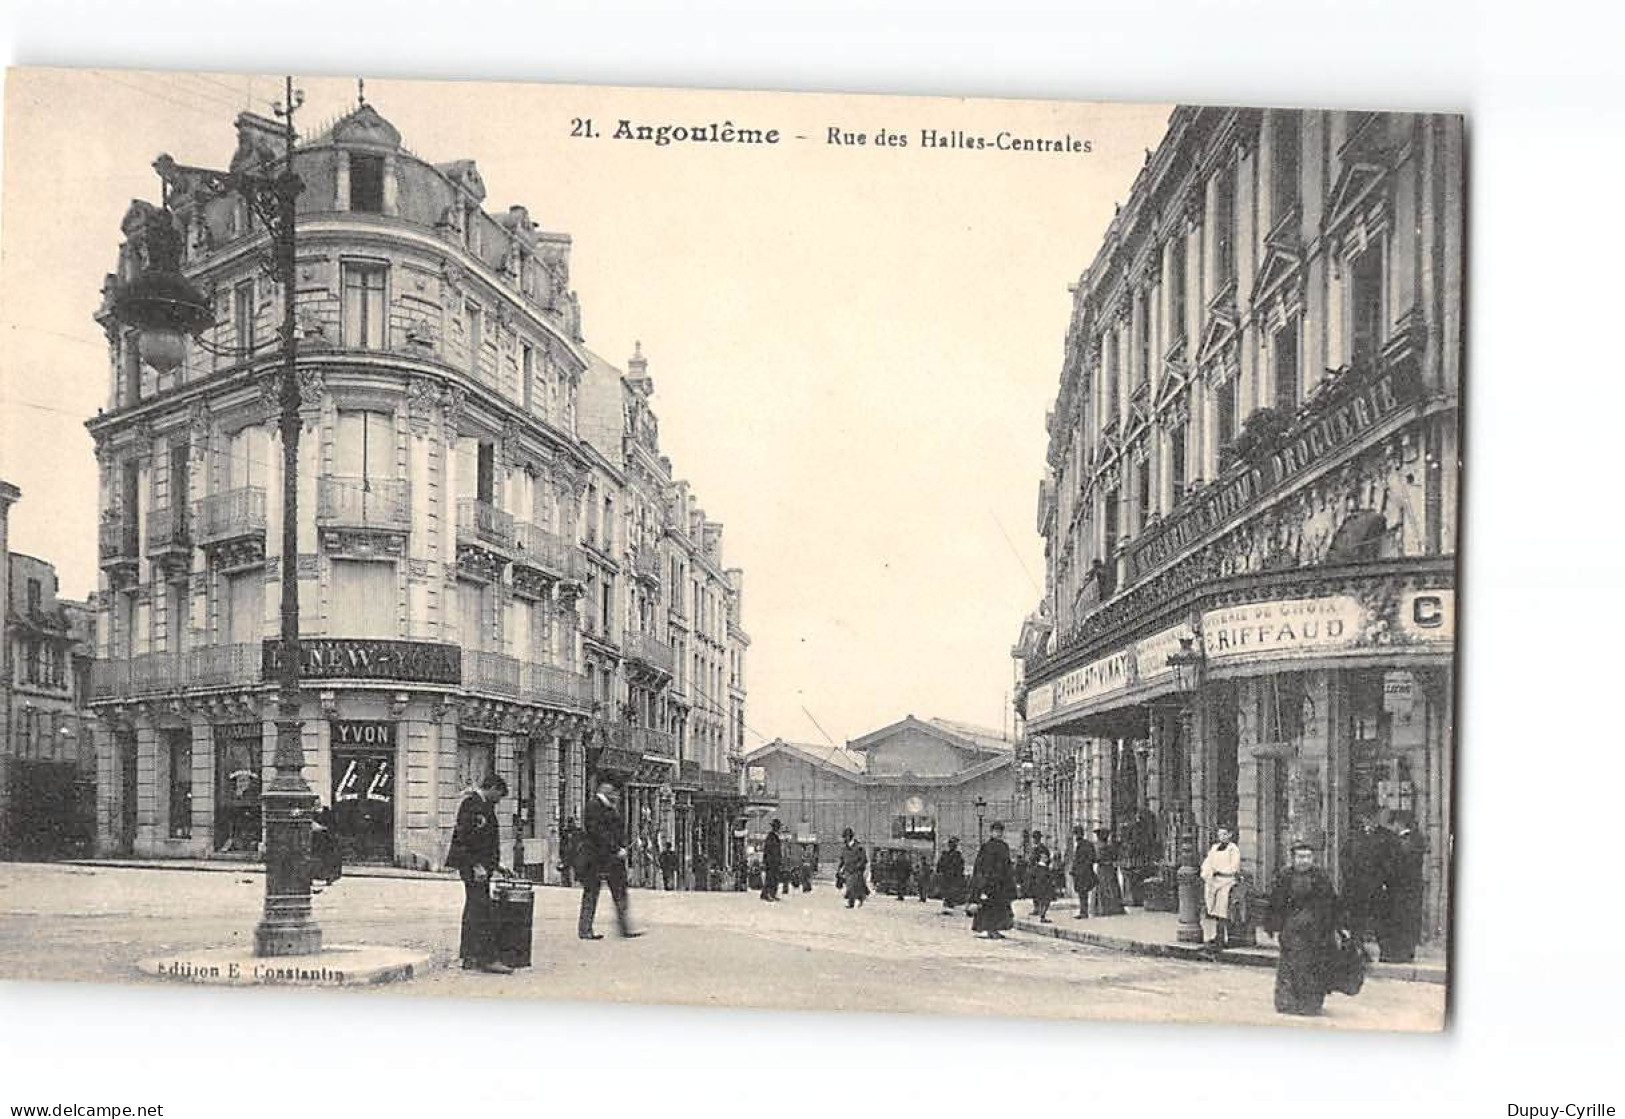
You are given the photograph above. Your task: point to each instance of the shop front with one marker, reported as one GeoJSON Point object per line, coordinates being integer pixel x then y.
{"type": "Point", "coordinates": [1316, 703]}
{"type": "Point", "coordinates": [363, 767]}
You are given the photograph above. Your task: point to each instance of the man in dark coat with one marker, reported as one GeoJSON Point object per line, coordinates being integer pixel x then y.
{"type": "Point", "coordinates": [1304, 912]}
{"type": "Point", "coordinates": [668, 866]}
{"type": "Point", "coordinates": [993, 886]}
{"type": "Point", "coordinates": [951, 876]}
{"type": "Point", "coordinates": [922, 877]}
{"type": "Point", "coordinates": [1084, 878]}
{"type": "Point", "coordinates": [1401, 922]}
{"type": "Point", "coordinates": [850, 873]}
{"type": "Point", "coordinates": [569, 840]}
{"type": "Point", "coordinates": [1366, 861]}
{"type": "Point", "coordinates": [475, 855]}
{"type": "Point", "coordinates": [772, 862]}
{"type": "Point", "coordinates": [601, 857]}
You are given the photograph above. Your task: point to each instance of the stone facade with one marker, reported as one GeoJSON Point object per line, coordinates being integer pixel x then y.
{"type": "Point", "coordinates": [462, 600]}
{"type": "Point", "coordinates": [1252, 467]}
{"type": "Point", "coordinates": [47, 759]}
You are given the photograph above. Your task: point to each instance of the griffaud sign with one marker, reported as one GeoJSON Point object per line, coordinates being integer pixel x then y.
{"type": "Point", "coordinates": [351, 658]}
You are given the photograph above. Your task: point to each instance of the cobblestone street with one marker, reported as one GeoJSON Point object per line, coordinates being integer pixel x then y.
{"type": "Point", "coordinates": [731, 949]}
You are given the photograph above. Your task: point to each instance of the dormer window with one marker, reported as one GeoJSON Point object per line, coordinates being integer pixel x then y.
{"type": "Point", "coordinates": [367, 183]}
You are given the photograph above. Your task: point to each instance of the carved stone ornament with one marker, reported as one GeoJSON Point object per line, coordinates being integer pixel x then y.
{"type": "Point", "coordinates": [198, 420]}
{"type": "Point", "coordinates": [453, 401]}
{"type": "Point", "coordinates": [421, 396]}
{"type": "Point", "coordinates": [453, 283]}
{"type": "Point", "coordinates": [271, 398]}
{"type": "Point", "coordinates": [141, 436]}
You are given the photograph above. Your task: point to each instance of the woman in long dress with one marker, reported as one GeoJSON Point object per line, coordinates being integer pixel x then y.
{"type": "Point", "coordinates": [1108, 891]}
{"type": "Point", "coordinates": [951, 874]}
{"type": "Point", "coordinates": [1303, 915]}
{"type": "Point", "coordinates": [993, 887]}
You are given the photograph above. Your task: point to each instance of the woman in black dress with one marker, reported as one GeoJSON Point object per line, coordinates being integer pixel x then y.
{"type": "Point", "coordinates": [993, 887]}
{"type": "Point", "coordinates": [1303, 914]}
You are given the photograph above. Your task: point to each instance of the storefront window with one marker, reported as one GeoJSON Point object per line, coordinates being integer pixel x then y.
{"type": "Point", "coordinates": [237, 825]}
{"type": "Point", "coordinates": [476, 756]}
{"type": "Point", "coordinates": [180, 784]}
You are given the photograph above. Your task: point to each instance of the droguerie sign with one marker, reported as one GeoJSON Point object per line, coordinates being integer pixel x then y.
{"type": "Point", "coordinates": [1291, 626]}
{"type": "Point", "coordinates": [340, 658]}
{"type": "Point", "coordinates": [1230, 497]}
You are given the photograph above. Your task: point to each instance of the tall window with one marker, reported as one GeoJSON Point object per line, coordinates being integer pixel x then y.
{"type": "Point", "coordinates": [471, 615]}
{"type": "Point", "coordinates": [364, 315]}
{"type": "Point", "coordinates": [1142, 371]}
{"type": "Point", "coordinates": [180, 481]}
{"type": "Point", "coordinates": [367, 183]}
{"type": "Point", "coordinates": [1142, 486]}
{"type": "Point", "coordinates": [1285, 157]}
{"type": "Point", "coordinates": [1365, 305]}
{"type": "Point", "coordinates": [364, 446]}
{"type": "Point", "coordinates": [1224, 229]}
{"type": "Point", "coordinates": [1176, 460]}
{"type": "Point", "coordinates": [476, 340]}
{"type": "Point", "coordinates": [527, 364]}
{"type": "Point", "coordinates": [246, 457]}
{"type": "Point", "coordinates": [242, 316]}
{"type": "Point", "coordinates": [1285, 353]}
{"type": "Point", "coordinates": [35, 596]}
{"type": "Point", "coordinates": [1176, 280]}
{"type": "Point", "coordinates": [1110, 377]}
{"type": "Point", "coordinates": [1110, 519]}
{"type": "Point", "coordinates": [243, 618]}
{"type": "Point", "coordinates": [130, 370]}
{"type": "Point", "coordinates": [364, 598]}
{"type": "Point", "coordinates": [1226, 407]}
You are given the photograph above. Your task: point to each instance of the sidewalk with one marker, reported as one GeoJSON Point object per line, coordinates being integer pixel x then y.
{"type": "Point", "coordinates": [1152, 934]}
{"type": "Point", "coordinates": [234, 866]}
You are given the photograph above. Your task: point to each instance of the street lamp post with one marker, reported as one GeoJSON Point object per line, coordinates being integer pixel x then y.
{"type": "Point", "coordinates": [163, 306]}
{"type": "Point", "coordinates": [1186, 664]}
{"type": "Point", "coordinates": [981, 814]}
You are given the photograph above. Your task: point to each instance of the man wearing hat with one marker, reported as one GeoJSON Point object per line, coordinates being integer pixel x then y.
{"type": "Point", "coordinates": [772, 862]}
{"type": "Point", "coordinates": [475, 855]}
{"type": "Point", "coordinates": [1303, 915]}
{"type": "Point", "coordinates": [851, 869]}
{"type": "Point", "coordinates": [1083, 870]}
{"type": "Point", "coordinates": [951, 875]}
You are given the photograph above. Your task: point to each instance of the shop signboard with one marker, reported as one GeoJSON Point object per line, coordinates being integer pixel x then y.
{"type": "Point", "coordinates": [1142, 663]}
{"type": "Point", "coordinates": [1296, 627]}
{"type": "Point", "coordinates": [1398, 692]}
{"type": "Point", "coordinates": [351, 658]}
{"type": "Point", "coordinates": [1428, 617]}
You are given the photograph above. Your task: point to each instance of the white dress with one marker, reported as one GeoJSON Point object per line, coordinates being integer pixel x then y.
{"type": "Point", "coordinates": [1219, 872]}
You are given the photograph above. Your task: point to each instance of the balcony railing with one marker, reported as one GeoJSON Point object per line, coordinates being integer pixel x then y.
{"type": "Point", "coordinates": [689, 771]}
{"type": "Point", "coordinates": [718, 783]}
{"type": "Point", "coordinates": [646, 564]}
{"type": "Point", "coordinates": [120, 540]}
{"type": "Point", "coordinates": [231, 515]}
{"type": "Point", "coordinates": [648, 740]}
{"type": "Point", "coordinates": [550, 684]}
{"type": "Point", "coordinates": [167, 529]}
{"type": "Point", "coordinates": [480, 522]}
{"type": "Point", "coordinates": [490, 672]}
{"type": "Point", "coordinates": [545, 551]}
{"type": "Point", "coordinates": [651, 651]}
{"type": "Point", "coordinates": [218, 666]}
{"type": "Point", "coordinates": [354, 502]}
{"type": "Point", "coordinates": [211, 666]}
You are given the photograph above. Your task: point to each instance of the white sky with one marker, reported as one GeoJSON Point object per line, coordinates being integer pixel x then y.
{"type": "Point", "coordinates": [853, 349]}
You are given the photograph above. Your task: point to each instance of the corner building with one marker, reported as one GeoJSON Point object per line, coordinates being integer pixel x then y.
{"type": "Point", "coordinates": [454, 567]}
{"type": "Point", "coordinates": [1255, 447]}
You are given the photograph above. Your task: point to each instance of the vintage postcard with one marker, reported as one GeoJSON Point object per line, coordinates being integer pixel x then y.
{"type": "Point", "coordinates": [800, 551]}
